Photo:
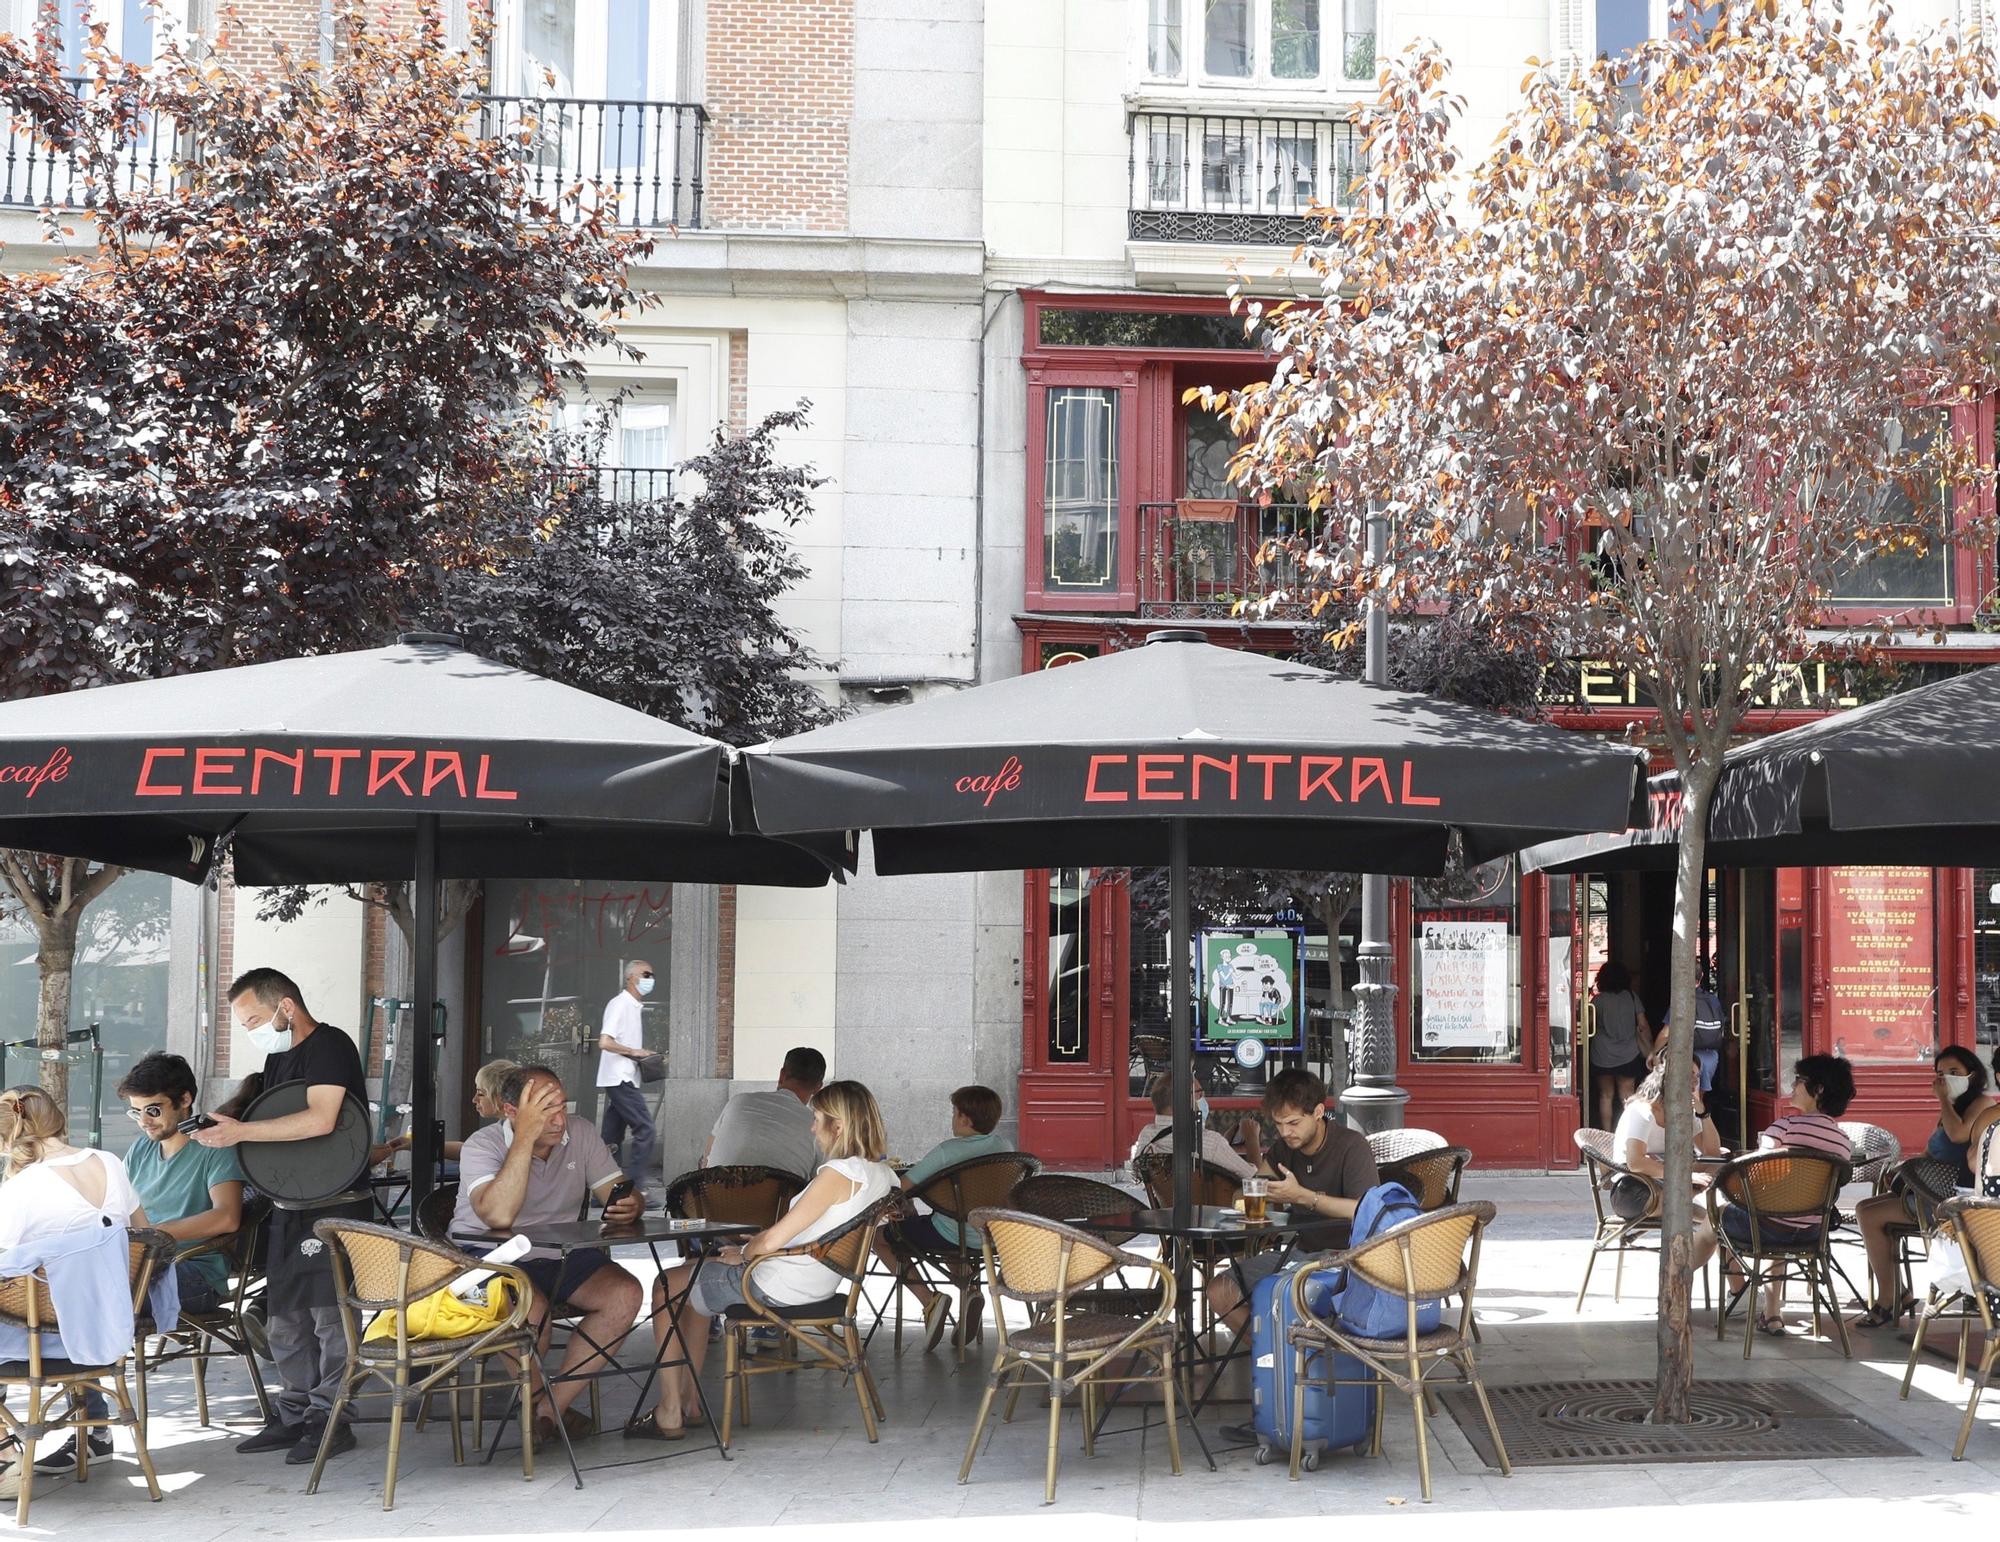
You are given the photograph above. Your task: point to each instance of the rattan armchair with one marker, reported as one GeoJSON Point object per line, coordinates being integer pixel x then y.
{"type": "Point", "coordinates": [1764, 1184]}
{"type": "Point", "coordinates": [955, 1192]}
{"type": "Point", "coordinates": [1421, 1261]}
{"type": "Point", "coordinates": [1876, 1152]}
{"type": "Point", "coordinates": [25, 1302]}
{"type": "Point", "coordinates": [1925, 1184]}
{"type": "Point", "coordinates": [433, 1216]}
{"type": "Point", "coordinates": [1153, 1170]}
{"type": "Point", "coordinates": [746, 1194]}
{"type": "Point", "coordinates": [826, 1330]}
{"type": "Point", "coordinates": [1432, 1176]}
{"type": "Point", "coordinates": [1071, 1345]}
{"type": "Point", "coordinates": [1615, 1234]}
{"type": "Point", "coordinates": [201, 1335]}
{"type": "Point", "coordinates": [379, 1269]}
{"type": "Point", "coordinates": [1394, 1145]}
{"type": "Point", "coordinates": [1975, 1225]}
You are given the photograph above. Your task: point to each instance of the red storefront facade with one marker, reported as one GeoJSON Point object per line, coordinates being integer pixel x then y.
{"type": "Point", "coordinates": [1131, 527]}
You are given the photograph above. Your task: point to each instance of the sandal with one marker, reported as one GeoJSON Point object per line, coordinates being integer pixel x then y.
{"type": "Point", "coordinates": [1876, 1317]}
{"type": "Point", "coordinates": [1774, 1326]}
{"type": "Point", "coordinates": [647, 1426]}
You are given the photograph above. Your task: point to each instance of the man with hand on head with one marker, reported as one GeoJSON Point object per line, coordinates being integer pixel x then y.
{"type": "Point", "coordinates": [302, 1313]}
{"type": "Point", "coordinates": [533, 1168]}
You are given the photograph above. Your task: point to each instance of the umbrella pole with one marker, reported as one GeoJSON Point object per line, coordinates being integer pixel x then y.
{"type": "Point", "coordinates": [1180, 948]}
{"type": "Point", "coordinates": [423, 1096]}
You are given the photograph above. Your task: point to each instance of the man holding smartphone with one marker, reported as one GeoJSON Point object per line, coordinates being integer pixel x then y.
{"type": "Point", "coordinates": [533, 1168]}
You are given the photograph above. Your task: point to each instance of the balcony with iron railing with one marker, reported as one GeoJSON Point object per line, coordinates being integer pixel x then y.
{"type": "Point", "coordinates": [621, 484]}
{"type": "Point", "coordinates": [1202, 556]}
{"type": "Point", "coordinates": [1242, 179]}
{"type": "Point", "coordinates": [640, 162]}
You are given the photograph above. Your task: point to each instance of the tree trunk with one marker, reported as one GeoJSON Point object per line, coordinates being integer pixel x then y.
{"type": "Point", "coordinates": [57, 960]}
{"type": "Point", "coordinates": [1674, 1333]}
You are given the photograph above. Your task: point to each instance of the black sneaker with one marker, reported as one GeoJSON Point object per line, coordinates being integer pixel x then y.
{"type": "Point", "coordinates": [63, 1458]}
{"type": "Point", "coordinates": [272, 1437]}
{"type": "Point", "coordinates": [307, 1449]}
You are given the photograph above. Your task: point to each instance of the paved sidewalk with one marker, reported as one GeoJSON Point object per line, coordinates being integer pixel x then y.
{"type": "Point", "coordinates": [806, 1464]}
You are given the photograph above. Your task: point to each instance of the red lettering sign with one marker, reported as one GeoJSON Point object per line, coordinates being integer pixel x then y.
{"type": "Point", "coordinates": [297, 761]}
{"type": "Point", "coordinates": [991, 784]}
{"type": "Point", "coordinates": [1415, 800]}
{"type": "Point", "coordinates": [217, 772]}
{"type": "Point", "coordinates": [30, 776]}
{"type": "Point", "coordinates": [1092, 793]}
{"type": "Point", "coordinates": [1156, 769]}
{"type": "Point", "coordinates": [210, 763]}
{"type": "Point", "coordinates": [147, 787]}
{"type": "Point", "coordinates": [1311, 781]}
{"type": "Point", "coordinates": [1228, 766]}
{"type": "Point", "coordinates": [481, 790]}
{"type": "Point", "coordinates": [397, 762]}
{"type": "Point", "coordinates": [1218, 779]}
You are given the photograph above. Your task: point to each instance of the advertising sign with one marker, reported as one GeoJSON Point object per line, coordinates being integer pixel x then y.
{"type": "Point", "coordinates": [1249, 986]}
{"type": "Point", "coordinates": [1465, 983]}
{"type": "Point", "coordinates": [1883, 964]}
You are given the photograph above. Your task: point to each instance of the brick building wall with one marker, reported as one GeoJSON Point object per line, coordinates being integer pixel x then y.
{"type": "Point", "coordinates": [780, 95]}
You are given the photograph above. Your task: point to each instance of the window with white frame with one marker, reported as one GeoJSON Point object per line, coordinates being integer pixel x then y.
{"type": "Point", "coordinates": [641, 428]}
{"type": "Point", "coordinates": [1274, 44]}
{"type": "Point", "coordinates": [591, 50]}
{"type": "Point", "coordinates": [134, 30]}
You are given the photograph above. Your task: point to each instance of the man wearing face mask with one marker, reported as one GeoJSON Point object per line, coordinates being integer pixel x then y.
{"type": "Point", "coordinates": [301, 1312]}
{"type": "Point", "coordinates": [622, 1046]}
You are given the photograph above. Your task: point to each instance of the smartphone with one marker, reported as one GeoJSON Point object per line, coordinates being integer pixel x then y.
{"type": "Point", "coordinates": [619, 1190]}
{"type": "Point", "coordinates": [194, 1122]}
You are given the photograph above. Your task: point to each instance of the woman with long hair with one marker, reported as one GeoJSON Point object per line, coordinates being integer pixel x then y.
{"type": "Point", "coordinates": [847, 1127]}
{"type": "Point", "coordinates": [1965, 1111]}
{"type": "Point", "coordinates": [52, 1186]}
{"type": "Point", "coordinates": [1621, 1043]}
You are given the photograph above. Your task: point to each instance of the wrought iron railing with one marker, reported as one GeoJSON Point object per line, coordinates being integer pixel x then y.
{"type": "Point", "coordinates": [1202, 556]}
{"type": "Point", "coordinates": [1236, 178]}
{"type": "Point", "coordinates": [639, 161]}
{"type": "Point", "coordinates": [34, 173]}
{"type": "Point", "coordinates": [623, 484]}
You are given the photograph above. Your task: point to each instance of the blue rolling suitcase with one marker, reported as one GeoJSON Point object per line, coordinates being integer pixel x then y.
{"type": "Point", "coordinates": [1334, 1417]}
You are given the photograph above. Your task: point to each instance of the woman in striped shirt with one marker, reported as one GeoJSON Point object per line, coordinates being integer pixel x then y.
{"type": "Point", "coordinates": [1822, 1087]}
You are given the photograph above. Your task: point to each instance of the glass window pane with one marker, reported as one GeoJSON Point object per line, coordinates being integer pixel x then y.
{"type": "Point", "coordinates": [548, 50]}
{"type": "Point", "coordinates": [1358, 40]}
{"type": "Point", "coordinates": [1068, 979]}
{"type": "Point", "coordinates": [1986, 959]}
{"type": "Point", "coordinates": [1622, 25]}
{"type": "Point", "coordinates": [135, 44]}
{"type": "Point", "coordinates": [1080, 497]}
{"type": "Point", "coordinates": [1227, 50]}
{"type": "Point", "coordinates": [1163, 38]}
{"type": "Point", "coordinates": [1210, 443]}
{"type": "Point", "coordinates": [1919, 571]}
{"type": "Point", "coordinates": [1465, 968]}
{"type": "Point", "coordinates": [1295, 39]}
{"type": "Point", "coordinates": [1291, 173]}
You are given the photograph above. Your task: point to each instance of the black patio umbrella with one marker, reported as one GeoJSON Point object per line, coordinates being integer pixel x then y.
{"type": "Point", "coordinates": [1907, 779]}
{"type": "Point", "coordinates": [1180, 753]}
{"type": "Point", "coordinates": [415, 761]}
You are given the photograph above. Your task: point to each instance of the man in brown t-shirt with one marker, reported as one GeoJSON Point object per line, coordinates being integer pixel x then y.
{"type": "Point", "coordinates": [1320, 1167]}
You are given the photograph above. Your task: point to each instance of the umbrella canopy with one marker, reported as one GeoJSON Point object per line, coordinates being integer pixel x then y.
{"type": "Point", "coordinates": [319, 770]}
{"type": "Point", "coordinates": [419, 761]}
{"type": "Point", "coordinates": [1907, 779]}
{"type": "Point", "coordinates": [1186, 754]}
{"type": "Point", "coordinates": [1266, 762]}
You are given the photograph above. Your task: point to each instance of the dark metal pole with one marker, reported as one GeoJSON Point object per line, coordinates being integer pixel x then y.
{"type": "Point", "coordinates": [1372, 1101]}
{"type": "Point", "coordinates": [424, 1141]}
{"type": "Point", "coordinates": [1180, 948]}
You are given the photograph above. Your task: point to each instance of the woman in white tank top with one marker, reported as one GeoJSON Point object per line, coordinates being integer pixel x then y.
{"type": "Point", "coordinates": [847, 1128]}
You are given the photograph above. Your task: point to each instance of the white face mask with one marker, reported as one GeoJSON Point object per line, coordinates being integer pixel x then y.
{"type": "Point", "coordinates": [270, 1038]}
{"type": "Point", "coordinates": [1956, 1087]}
{"type": "Point", "coordinates": [645, 985]}
{"type": "Point", "coordinates": [1201, 1109]}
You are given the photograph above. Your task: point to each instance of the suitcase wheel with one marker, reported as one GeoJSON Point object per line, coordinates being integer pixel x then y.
{"type": "Point", "coordinates": [1309, 1459]}
{"type": "Point", "coordinates": [1265, 1455]}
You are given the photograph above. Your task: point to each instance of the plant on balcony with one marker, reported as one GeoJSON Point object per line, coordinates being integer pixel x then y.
{"type": "Point", "coordinates": [1693, 312]}
{"type": "Point", "coordinates": [270, 408]}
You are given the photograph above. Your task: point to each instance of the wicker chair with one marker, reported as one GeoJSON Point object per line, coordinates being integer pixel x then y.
{"type": "Point", "coordinates": [25, 1302]}
{"type": "Point", "coordinates": [1063, 1197]}
{"type": "Point", "coordinates": [955, 1192]}
{"type": "Point", "coordinates": [1615, 1234]}
{"type": "Point", "coordinates": [1153, 1169]}
{"type": "Point", "coordinates": [745, 1194]}
{"type": "Point", "coordinates": [1071, 1345]}
{"type": "Point", "coordinates": [1394, 1145]}
{"type": "Point", "coordinates": [200, 1335]}
{"type": "Point", "coordinates": [1975, 1225]}
{"type": "Point", "coordinates": [1428, 1259]}
{"type": "Point", "coordinates": [1772, 1183]}
{"type": "Point", "coordinates": [1876, 1151]}
{"type": "Point", "coordinates": [826, 1330]}
{"type": "Point", "coordinates": [1431, 1176]}
{"type": "Point", "coordinates": [379, 1269]}
{"type": "Point", "coordinates": [433, 1217]}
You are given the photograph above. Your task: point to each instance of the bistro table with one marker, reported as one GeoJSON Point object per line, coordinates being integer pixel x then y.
{"type": "Point", "coordinates": [1183, 1233]}
{"type": "Point", "coordinates": [567, 1237]}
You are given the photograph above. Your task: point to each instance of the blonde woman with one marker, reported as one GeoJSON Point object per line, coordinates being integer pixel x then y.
{"type": "Point", "coordinates": [847, 1128]}
{"type": "Point", "coordinates": [54, 1187]}
{"type": "Point", "coordinates": [486, 1083]}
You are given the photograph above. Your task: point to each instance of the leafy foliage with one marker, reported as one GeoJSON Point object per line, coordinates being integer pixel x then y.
{"type": "Point", "coordinates": [1649, 371]}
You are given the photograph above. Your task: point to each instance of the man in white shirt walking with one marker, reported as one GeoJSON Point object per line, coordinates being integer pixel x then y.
{"type": "Point", "coordinates": [623, 1046]}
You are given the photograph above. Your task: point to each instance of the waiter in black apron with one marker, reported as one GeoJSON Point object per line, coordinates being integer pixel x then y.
{"type": "Point", "coordinates": [302, 1317]}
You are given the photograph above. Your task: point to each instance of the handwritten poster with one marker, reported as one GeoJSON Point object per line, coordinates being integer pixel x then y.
{"type": "Point", "coordinates": [1882, 952]}
{"type": "Point", "coordinates": [1465, 985]}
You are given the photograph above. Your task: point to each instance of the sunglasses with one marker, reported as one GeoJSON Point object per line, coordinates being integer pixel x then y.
{"type": "Point", "coordinates": [145, 1111]}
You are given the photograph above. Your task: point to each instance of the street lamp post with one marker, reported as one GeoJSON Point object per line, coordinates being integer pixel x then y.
{"type": "Point", "coordinates": [1372, 1101]}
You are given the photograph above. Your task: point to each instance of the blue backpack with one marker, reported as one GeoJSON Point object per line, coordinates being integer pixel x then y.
{"type": "Point", "coordinates": [1362, 1308]}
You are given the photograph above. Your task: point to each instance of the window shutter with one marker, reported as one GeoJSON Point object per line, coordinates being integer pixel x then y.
{"type": "Point", "coordinates": [1569, 28]}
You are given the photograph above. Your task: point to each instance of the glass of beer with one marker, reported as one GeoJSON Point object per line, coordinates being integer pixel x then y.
{"type": "Point", "coordinates": [1256, 1190]}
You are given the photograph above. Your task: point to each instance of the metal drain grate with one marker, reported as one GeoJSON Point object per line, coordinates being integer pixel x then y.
{"type": "Point", "coordinates": [1603, 1424]}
